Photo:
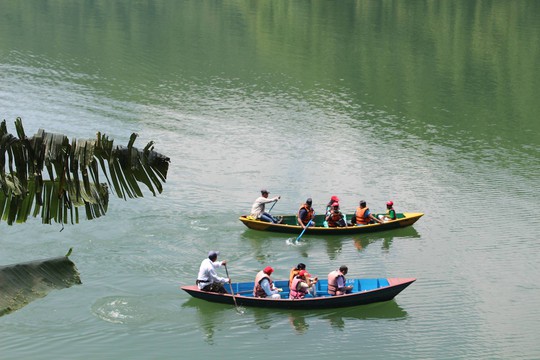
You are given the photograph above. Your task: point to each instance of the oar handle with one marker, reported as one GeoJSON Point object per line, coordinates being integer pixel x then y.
{"type": "Point", "coordinates": [226, 271]}
{"type": "Point", "coordinates": [271, 207]}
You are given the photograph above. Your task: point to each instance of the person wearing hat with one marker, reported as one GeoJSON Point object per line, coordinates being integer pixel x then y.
{"type": "Point", "coordinates": [333, 199]}
{"type": "Point", "coordinates": [306, 214]}
{"type": "Point", "coordinates": [257, 209]}
{"type": "Point", "coordinates": [208, 279]}
{"type": "Point", "coordinates": [362, 215]}
{"type": "Point", "coordinates": [296, 270]}
{"type": "Point", "coordinates": [335, 217]}
{"type": "Point", "coordinates": [390, 212]}
{"type": "Point", "coordinates": [264, 286]}
{"type": "Point", "coordinates": [299, 287]}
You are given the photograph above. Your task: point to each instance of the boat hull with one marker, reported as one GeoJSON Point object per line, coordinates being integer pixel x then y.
{"type": "Point", "coordinates": [290, 226]}
{"type": "Point", "coordinates": [376, 290]}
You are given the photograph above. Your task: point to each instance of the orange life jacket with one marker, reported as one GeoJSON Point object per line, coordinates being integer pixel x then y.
{"type": "Point", "coordinates": [334, 218]}
{"type": "Point", "coordinates": [309, 214]}
{"type": "Point", "coordinates": [333, 281]}
{"type": "Point", "coordinates": [294, 272]}
{"type": "Point", "coordinates": [359, 216]}
{"type": "Point", "coordinates": [258, 291]}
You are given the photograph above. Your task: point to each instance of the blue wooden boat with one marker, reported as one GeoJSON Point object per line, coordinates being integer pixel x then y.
{"type": "Point", "coordinates": [290, 225]}
{"type": "Point", "coordinates": [365, 291]}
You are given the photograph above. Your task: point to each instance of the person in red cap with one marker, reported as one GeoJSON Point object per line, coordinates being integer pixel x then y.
{"type": "Point", "coordinates": [333, 199]}
{"type": "Point", "coordinates": [301, 285]}
{"type": "Point", "coordinates": [335, 217]}
{"type": "Point", "coordinates": [296, 270]}
{"type": "Point", "coordinates": [390, 212]}
{"type": "Point", "coordinates": [264, 286]}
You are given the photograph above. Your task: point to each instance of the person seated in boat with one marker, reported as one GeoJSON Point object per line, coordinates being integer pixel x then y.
{"type": "Point", "coordinates": [257, 209]}
{"type": "Point", "coordinates": [336, 281]}
{"type": "Point", "coordinates": [296, 270]}
{"type": "Point", "coordinates": [333, 199]}
{"type": "Point", "coordinates": [264, 286]}
{"type": "Point", "coordinates": [208, 279]}
{"type": "Point", "coordinates": [306, 214]}
{"type": "Point", "coordinates": [336, 218]}
{"type": "Point", "coordinates": [300, 285]}
{"type": "Point", "coordinates": [390, 212]}
{"type": "Point", "coordinates": [362, 215]}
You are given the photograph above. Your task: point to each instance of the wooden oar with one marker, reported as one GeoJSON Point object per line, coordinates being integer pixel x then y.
{"type": "Point", "coordinates": [271, 207]}
{"type": "Point", "coordinates": [232, 292]}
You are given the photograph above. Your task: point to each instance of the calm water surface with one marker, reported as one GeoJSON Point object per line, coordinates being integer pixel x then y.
{"type": "Point", "coordinates": [431, 104]}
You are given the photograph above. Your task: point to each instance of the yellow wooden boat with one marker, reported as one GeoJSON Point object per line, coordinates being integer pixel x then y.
{"type": "Point", "coordinates": [290, 225]}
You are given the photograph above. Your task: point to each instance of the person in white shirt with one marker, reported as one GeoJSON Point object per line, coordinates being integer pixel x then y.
{"type": "Point", "coordinates": [257, 209]}
{"type": "Point", "coordinates": [208, 279]}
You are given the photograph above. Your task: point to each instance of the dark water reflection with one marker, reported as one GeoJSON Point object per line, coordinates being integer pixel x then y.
{"type": "Point", "coordinates": [208, 315]}
{"type": "Point", "coordinates": [387, 237]}
{"type": "Point", "coordinates": [259, 241]}
{"type": "Point", "coordinates": [338, 318]}
{"type": "Point", "coordinates": [211, 316]}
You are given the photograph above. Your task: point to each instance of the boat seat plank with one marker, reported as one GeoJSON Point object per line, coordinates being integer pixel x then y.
{"type": "Point", "coordinates": [369, 284]}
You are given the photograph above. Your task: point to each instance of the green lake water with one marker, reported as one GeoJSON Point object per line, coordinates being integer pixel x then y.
{"type": "Point", "coordinates": [432, 104]}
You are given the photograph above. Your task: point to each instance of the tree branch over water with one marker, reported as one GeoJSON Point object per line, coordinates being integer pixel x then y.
{"type": "Point", "coordinates": [46, 175]}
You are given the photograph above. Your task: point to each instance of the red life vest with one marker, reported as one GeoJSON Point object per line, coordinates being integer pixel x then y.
{"type": "Point", "coordinates": [294, 292]}
{"type": "Point", "coordinates": [334, 218]}
{"type": "Point", "coordinates": [360, 213]}
{"type": "Point", "coordinates": [258, 291]}
{"type": "Point", "coordinates": [309, 214]}
{"type": "Point", "coordinates": [333, 281]}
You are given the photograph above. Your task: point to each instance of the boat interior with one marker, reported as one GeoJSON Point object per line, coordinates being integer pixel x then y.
{"type": "Point", "coordinates": [321, 287]}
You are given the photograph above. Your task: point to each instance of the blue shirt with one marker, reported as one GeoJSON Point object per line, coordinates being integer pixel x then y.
{"type": "Point", "coordinates": [265, 284]}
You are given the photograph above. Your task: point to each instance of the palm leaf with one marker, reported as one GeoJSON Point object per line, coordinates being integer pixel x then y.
{"type": "Point", "coordinates": [48, 176]}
